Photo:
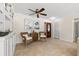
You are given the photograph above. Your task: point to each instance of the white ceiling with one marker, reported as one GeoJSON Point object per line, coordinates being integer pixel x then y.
{"type": "Point", "coordinates": [52, 9]}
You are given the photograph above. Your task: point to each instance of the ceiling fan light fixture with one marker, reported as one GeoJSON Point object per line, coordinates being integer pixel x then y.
{"type": "Point", "coordinates": [38, 12]}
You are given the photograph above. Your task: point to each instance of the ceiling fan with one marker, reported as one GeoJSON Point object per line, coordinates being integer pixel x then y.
{"type": "Point", "coordinates": [38, 12]}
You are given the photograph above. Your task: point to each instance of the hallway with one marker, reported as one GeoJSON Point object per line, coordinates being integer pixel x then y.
{"type": "Point", "coordinates": [52, 47]}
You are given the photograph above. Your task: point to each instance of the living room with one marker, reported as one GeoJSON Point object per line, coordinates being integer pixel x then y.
{"type": "Point", "coordinates": [53, 31]}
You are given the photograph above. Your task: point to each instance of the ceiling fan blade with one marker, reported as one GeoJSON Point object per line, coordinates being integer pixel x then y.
{"type": "Point", "coordinates": [31, 10]}
{"type": "Point", "coordinates": [41, 10]}
{"type": "Point", "coordinates": [37, 15]}
{"type": "Point", "coordinates": [43, 14]}
{"type": "Point", "coordinates": [32, 14]}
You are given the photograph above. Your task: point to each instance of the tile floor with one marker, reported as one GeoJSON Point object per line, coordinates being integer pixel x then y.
{"type": "Point", "coordinates": [51, 47]}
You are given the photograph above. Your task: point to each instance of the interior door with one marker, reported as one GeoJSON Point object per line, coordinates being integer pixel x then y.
{"type": "Point", "coordinates": [48, 30]}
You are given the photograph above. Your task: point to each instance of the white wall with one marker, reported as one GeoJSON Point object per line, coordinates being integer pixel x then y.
{"type": "Point", "coordinates": [57, 28]}
{"type": "Point", "coordinates": [19, 22]}
{"type": "Point", "coordinates": [63, 28]}
{"type": "Point", "coordinates": [18, 25]}
{"type": "Point", "coordinates": [67, 29]}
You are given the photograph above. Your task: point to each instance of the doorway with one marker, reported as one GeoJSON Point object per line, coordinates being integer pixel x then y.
{"type": "Point", "coordinates": [48, 29]}
{"type": "Point", "coordinates": [76, 28]}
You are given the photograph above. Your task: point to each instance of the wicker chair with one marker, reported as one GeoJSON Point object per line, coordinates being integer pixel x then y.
{"type": "Point", "coordinates": [42, 35]}
{"type": "Point", "coordinates": [25, 38]}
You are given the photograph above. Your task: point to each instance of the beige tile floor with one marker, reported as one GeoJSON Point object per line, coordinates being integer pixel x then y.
{"type": "Point", "coordinates": [52, 47]}
{"type": "Point", "coordinates": [78, 46]}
